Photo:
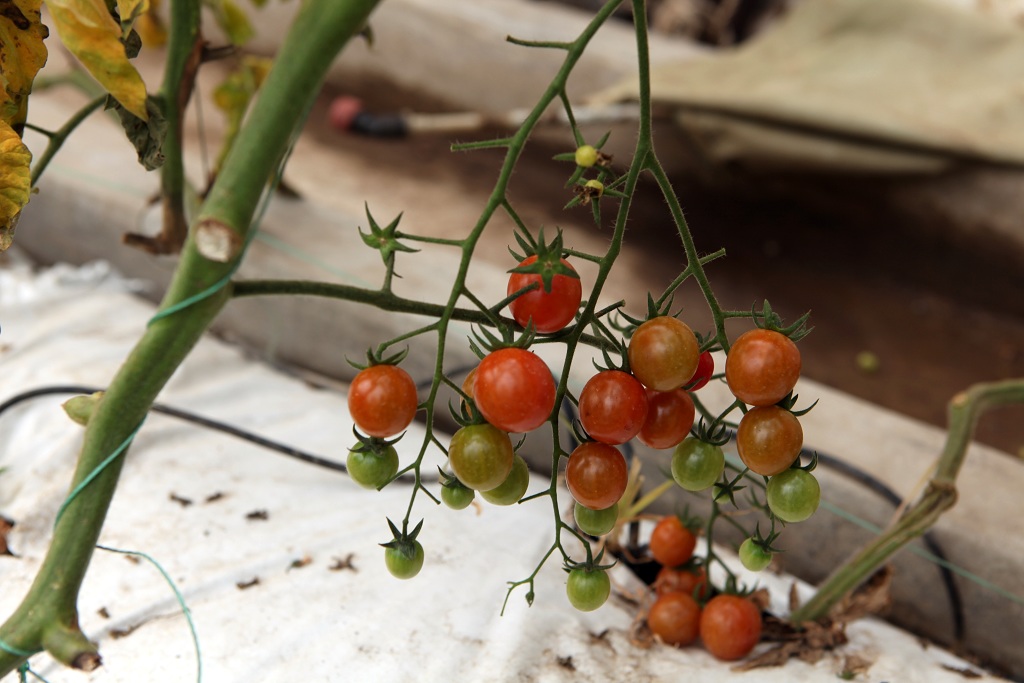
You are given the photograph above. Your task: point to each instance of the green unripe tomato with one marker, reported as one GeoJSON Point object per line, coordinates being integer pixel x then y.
{"type": "Point", "coordinates": [404, 561]}
{"type": "Point", "coordinates": [793, 495]}
{"type": "Point", "coordinates": [370, 470]}
{"type": "Point", "coordinates": [696, 464]}
{"type": "Point", "coordinates": [754, 557]}
{"type": "Point", "coordinates": [512, 489]}
{"type": "Point", "coordinates": [457, 496]}
{"type": "Point", "coordinates": [596, 522]}
{"type": "Point", "coordinates": [586, 156]}
{"type": "Point", "coordinates": [588, 589]}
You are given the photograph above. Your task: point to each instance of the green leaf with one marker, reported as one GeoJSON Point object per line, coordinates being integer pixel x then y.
{"type": "Point", "coordinates": [22, 54]}
{"type": "Point", "coordinates": [94, 36]}
{"type": "Point", "coordinates": [15, 182]}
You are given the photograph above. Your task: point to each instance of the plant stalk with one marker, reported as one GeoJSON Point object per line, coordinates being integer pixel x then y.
{"type": "Point", "coordinates": [964, 411]}
{"type": "Point", "coordinates": [47, 617]}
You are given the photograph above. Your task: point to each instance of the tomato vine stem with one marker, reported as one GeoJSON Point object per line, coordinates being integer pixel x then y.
{"type": "Point", "coordinates": [57, 138]}
{"type": "Point", "coordinates": [47, 616]}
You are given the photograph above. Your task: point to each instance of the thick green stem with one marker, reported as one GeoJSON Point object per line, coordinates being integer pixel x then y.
{"type": "Point", "coordinates": [964, 411]}
{"type": "Point", "coordinates": [47, 617]}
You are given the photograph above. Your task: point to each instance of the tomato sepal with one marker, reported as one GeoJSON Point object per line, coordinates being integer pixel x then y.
{"type": "Point", "coordinates": [384, 240]}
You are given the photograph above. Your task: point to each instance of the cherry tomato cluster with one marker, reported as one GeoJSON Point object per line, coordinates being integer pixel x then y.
{"type": "Point", "coordinates": [646, 397]}
{"type": "Point", "coordinates": [382, 401]}
{"type": "Point", "coordinates": [761, 370]}
{"type": "Point", "coordinates": [651, 402]}
{"type": "Point", "coordinates": [512, 389]}
{"type": "Point", "coordinates": [728, 625]}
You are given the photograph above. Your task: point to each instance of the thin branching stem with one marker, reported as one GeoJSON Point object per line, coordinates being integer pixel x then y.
{"type": "Point", "coordinates": [58, 137]}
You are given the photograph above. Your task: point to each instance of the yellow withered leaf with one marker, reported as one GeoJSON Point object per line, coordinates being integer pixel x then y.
{"type": "Point", "coordinates": [92, 34]}
{"type": "Point", "coordinates": [130, 9]}
{"type": "Point", "coordinates": [15, 182]}
{"type": "Point", "coordinates": [22, 54]}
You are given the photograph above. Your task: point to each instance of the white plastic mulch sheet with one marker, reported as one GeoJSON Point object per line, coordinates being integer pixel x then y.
{"type": "Point", "coordinates": [277, 560]}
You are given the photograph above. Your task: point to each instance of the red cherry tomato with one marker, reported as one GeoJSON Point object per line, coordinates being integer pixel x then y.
{"type": "Point", "coordinates": [682, 580]}
{"type": "Point", "coordinates": [675, 618]}
{"type": "Point", "coordinates": [730, 626]}
{"type": "Point", "coordinates": [550, 311]}
{"type": "Point", "coordinates": [702, 375]}
{"type": "Point", "coordinates": [762, 367]}
{"type": "Point", "coordinates": [382, 400]}
{"type": "Point", "coordinates": [596, 475]}
{"type": "Point", "coordinates": [663, 353]}
{"type": "Point", "coordinates": [669, 418]}
{"type": "Point", "coordinates": [613, 407]}
{"type": "Point", "coordinates": [671, 542]}
{"type": "Point", "coordinates": [514, 390]}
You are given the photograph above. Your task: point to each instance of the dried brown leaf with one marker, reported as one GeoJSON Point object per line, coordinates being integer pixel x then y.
{"type": "Point", "coordinates": [794, 598]}
{"type": "Point", "coordinates": [5, 527]}
{"type": "Point", "coordinates": [856, 664]}
{"type": "Point", "coordinates": [966, 673]}
{"type": "Point", "coordinates": [873, 597]}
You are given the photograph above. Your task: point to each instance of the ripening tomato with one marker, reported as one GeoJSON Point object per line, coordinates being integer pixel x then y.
{"type": "Point", "coordinates": [762, 367]}
{"type": "Point", "coordinates": [730, 626]}
{"type": "Point", "coordinates": [549, 311]}
{"type": "Point", "coordinates": [467, 388]}
{"type": "Point", "coordinates": [382, 400]}
{"type": "Point", "coordinates": [663, 353]}
{"type": "Point", "coordinates": [596, 475]}
{"type": "Point", "coordinates": [671, 542]}
{"type": "Point", "coordinates": [481, 456]}
{"type": "Point", "coordinates": [669, 418]}
{"type": "Point", "coordinates": [675, 618]}
{"type": "Point", "coordinates": [613, 407]}
{"type": "Point", "coordinates": [682, 580]}
{"type": "Point", "coordinates": [769, 439]}
{"type": "Point", "coordinates": [514, 390]}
